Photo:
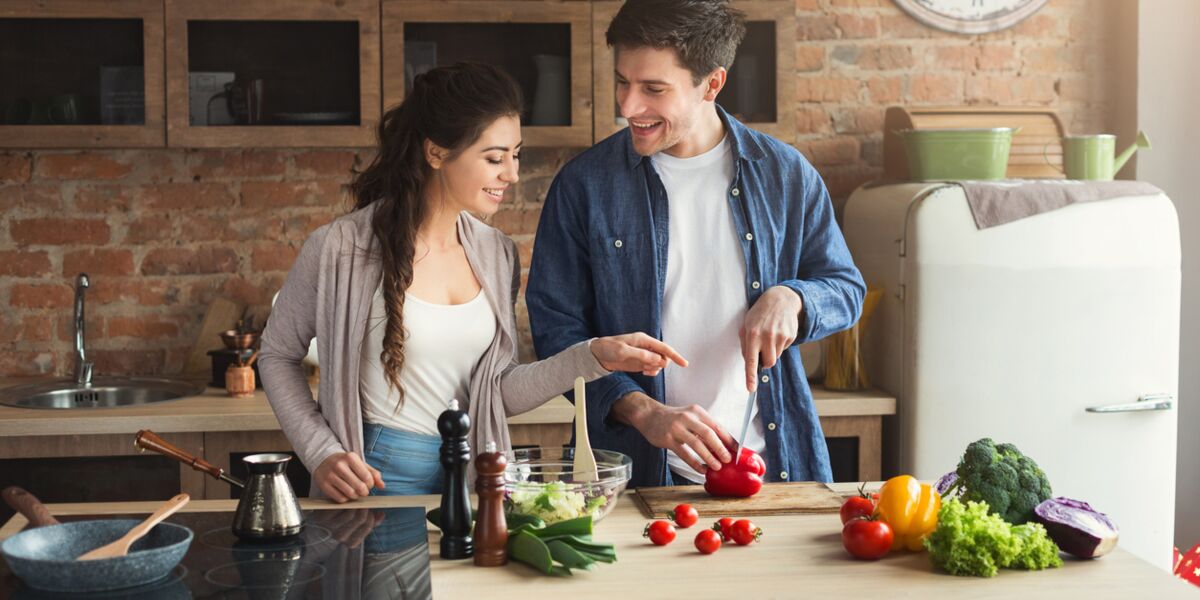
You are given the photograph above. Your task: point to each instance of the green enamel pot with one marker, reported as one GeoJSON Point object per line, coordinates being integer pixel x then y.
{"type": "Point", "coordinates": [977, 153]}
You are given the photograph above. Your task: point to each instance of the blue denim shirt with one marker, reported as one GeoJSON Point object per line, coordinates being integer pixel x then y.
{"type": "Point", "coordinates": [600, 263]}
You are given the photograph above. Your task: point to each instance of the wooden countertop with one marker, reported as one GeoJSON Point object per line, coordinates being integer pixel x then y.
{"type": "Point", "coordinates": [215, 411]}
{"type": "Point", "coordinates": [799, 556]}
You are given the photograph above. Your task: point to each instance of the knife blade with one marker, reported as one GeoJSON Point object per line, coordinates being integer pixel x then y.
{"type": "Point", "coordinates": [737, 450]}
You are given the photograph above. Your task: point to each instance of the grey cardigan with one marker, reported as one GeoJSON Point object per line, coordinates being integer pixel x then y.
{"type": "Point", "coordinates": [328, 294]}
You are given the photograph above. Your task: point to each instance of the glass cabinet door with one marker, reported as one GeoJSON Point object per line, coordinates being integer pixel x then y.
{"type": "Point", "coordinates": [759, 90]}
{"type": "Point", "coordinates": [544, 46]}
{"type": "Point", "coordinates": [81, 74]}
{"type": "Point", "coordinates": [294, 73]}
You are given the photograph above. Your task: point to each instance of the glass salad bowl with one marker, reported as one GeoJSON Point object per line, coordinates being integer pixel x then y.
{"type": "Point", "coordinates": [541, 482]}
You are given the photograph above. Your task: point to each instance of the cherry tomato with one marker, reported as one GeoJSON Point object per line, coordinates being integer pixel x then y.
{"type": "Point", "coordinates": [660, 532]}
{"type": "Point", "coordinates": [867, 538]}
{"type": "Point", "coordinates": [724, 525]}
{"type": "Point", "coordinates": [856, 508]}
{"type": "Point", "coordinates": [708, 541]}
{"type": "Point", "coordinates": [685, 516]}
{"type": "Point", "coordinates": [745, 533]}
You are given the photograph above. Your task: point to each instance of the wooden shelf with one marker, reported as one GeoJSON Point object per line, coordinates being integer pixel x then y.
{"type": "Point", "coordinates": [152, 131]}
{"type": "Point", "coordinates": [180, 133]}
{"type": "Point", "coordinates": [398, 15]}
{"type": "Point", "coordinates": [759, 13]}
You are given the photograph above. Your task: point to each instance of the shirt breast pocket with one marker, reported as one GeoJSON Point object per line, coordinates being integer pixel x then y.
{"type": "Point", "coordinates": [620, 260]}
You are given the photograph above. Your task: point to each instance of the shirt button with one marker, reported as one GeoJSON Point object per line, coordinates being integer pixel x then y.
{"type": "Point", "coordinates": [618, 243]}
{"type": "Point", "coordinates": [754, 285]}
{"type": "Point", "coordinates": [749, 236]}
{"type": "Point", "coordinates": [771, 426]}
{"type": "Point", "coordinates": [783, 475]}
{"type": "Point", "coordinates": [765, 378]}
{"type": "Point", "coordinates": [735, 192]}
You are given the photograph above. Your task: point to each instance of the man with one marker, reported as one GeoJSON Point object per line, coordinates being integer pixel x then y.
{"type": "Point", "coordinates": [693, 228]}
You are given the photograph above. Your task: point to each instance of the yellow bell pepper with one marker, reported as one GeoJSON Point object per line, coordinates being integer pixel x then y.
{"type": "Point", "coordinates": [910, 508]}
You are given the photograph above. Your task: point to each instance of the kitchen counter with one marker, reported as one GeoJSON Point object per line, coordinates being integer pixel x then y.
{"type": "Point", "coordinates": [800, 555]}
{"type": "Point", "coordinates": [214, 410]}
{"type": "Point", "coordinates": [218, 428]}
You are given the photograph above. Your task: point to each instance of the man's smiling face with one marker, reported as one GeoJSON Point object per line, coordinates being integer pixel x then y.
{"type": "Point", "coordinates": [658, 98]}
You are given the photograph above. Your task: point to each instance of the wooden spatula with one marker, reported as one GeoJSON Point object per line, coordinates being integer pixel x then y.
{"type": "Point", "coordinates": [121, 546]}
{"type": "Point", "coordinates": [585, 462]}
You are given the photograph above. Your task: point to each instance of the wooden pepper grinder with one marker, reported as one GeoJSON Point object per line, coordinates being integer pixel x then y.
{"type": "Point", "coordinates": [454, 424]}
{"type": "Point", "coordinates": [491, 528]}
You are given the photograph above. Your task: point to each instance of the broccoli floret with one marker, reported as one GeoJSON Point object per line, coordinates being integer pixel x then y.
{"type": "Point", "coordinates": [1008, 481]}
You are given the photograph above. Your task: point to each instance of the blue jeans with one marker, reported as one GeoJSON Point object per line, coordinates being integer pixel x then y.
{"type": "Point", "coordinates": [407, 460]}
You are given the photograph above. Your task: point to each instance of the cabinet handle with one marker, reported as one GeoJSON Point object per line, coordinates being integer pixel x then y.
{"type": "Point", "coordinates": [1144, 403]}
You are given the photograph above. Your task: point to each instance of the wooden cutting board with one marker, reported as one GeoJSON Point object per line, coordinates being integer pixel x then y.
{"type": "Point", "coordinates": [804, 497]}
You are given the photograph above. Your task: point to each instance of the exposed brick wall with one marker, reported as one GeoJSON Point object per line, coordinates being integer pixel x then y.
{"type": "Point", "coordinates": [164, 231]}
{"type": "Point", "coordinates": [854, 58]}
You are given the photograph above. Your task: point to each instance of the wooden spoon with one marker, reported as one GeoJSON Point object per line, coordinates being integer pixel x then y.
{"type": "Point", "coordinates": [584, 466]}
{"type": "Point", "coordinates": [121, 546]}
{"type": "Point", "coordinates": [29, 506]}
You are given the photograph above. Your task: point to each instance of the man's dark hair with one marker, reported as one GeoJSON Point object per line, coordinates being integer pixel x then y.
{"type": "Point", "coordinates": [705, 34]}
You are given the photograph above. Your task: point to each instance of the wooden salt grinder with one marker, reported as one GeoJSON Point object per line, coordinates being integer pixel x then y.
{"type": "Point", "coordinates": [491, 528]}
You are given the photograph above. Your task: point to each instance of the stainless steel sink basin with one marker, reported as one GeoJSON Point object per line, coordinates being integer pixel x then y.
{"type": "Point", "coordinates": [103, 392]}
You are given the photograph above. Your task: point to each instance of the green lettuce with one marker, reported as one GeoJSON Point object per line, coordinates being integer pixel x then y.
{"type": "Point", "coordinates": [552, 502]}
{"type": "Point", "coordinates": [970, 541]}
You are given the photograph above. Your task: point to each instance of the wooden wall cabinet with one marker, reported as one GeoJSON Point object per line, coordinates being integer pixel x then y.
{"type": "Point", "coordinates": [326, 69]}
{"type": "Point", "coordinates": [514, 34]}
{"type": "Point", "coordinates": [764, 99]}
{"type": "Point", "coordinates": [43, 55]}
{"type": "Point", "coordinates": [317, 62]}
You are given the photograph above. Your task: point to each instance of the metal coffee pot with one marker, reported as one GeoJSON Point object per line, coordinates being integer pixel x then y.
{"type": "Point", "coordinates": [267, 509]}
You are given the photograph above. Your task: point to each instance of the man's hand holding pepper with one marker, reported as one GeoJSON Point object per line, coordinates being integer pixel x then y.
{"type": "Point", "coordinates": [677, 429]}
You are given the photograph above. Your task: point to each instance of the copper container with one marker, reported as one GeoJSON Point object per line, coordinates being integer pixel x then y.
{"type": "Point", "coordinates": [235, 340]}
{"type": "Point", "coordinates": [239, 381]}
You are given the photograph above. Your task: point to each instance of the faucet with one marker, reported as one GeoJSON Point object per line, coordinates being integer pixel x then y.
{"type": "Point", "coordinates": [83, 367]}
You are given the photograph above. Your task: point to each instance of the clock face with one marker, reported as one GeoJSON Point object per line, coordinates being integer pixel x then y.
{"type": "Point", "coordinates": [970, 16]}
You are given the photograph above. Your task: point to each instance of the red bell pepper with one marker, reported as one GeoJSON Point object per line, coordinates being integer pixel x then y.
{"type": "Point", "coordinates": [740, 479]}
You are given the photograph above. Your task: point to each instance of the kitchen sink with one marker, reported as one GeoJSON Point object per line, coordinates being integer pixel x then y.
{"type": "Point", "coordinates": [102, 392]}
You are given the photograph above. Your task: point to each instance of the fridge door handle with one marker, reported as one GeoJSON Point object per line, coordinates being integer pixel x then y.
{"type": "Point", "coordinates": [1147, 402]}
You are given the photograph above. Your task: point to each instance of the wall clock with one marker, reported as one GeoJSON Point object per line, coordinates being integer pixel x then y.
{"type": "Point", "coordinates": [970, 16]}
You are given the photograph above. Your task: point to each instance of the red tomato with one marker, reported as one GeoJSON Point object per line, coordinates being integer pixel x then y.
{"type": "Point", "coordinates": [660, 532]}
{"type": "Point", "coordinates": [745, 533]}
{"type": "Point", "coordinates": [856, 508]}
{"type": "Point", "coordinates": [866, 538]}
{"type": "Point", "coordinates": [686, 516]}
{"type": "Point", "coordinates": [725, 526]}
{"type": "Point", "coordinates": [708, 541]}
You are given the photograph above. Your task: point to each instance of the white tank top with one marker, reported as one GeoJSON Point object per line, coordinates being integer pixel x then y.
{"type": "Point", "coordinates": [444, 344]}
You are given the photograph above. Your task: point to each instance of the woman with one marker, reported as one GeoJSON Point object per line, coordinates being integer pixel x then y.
{"type": "Point", "coordinates": [411, 300]}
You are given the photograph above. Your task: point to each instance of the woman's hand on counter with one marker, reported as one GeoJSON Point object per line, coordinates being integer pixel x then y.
{"type": "Point", "coordinates": [634, 352]}
{"type": "Point", "coordinates": [346, 476]}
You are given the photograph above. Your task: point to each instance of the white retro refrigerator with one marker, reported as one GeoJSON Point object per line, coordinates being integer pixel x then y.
{"type": "Point", "coordinates": [1058, 333]}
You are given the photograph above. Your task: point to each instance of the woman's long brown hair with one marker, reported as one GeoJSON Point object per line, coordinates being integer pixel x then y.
{"type": "Point", "coordinates": [451, 107]}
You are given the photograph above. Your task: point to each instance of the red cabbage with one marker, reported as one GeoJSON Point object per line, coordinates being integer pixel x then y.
{"type": "Point", "coordinates": [1076, 527]}
{"type": "Point", "coordinates": [944, 482]}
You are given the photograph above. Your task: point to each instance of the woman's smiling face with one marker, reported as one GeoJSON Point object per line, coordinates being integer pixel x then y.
{"type": "Point", "coordinates": [476, 179]}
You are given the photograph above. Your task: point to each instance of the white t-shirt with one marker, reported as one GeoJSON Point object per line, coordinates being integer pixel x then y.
{"type": "Point", "coordinates": [704, 303]}
{"type": "Point", "coordinates": [444, 344]}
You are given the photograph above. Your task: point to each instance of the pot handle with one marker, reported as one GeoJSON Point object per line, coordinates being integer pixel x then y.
{"type": "Point", "coordinates": [1046, 155]}
{"type": "Point", "coordinates": [148, 440]}
{"type": "Point", "coordinates": [29, 506]}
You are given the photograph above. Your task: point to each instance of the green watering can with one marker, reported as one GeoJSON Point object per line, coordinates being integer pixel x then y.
{"type": "Point", "coordinates": [1090, 157]}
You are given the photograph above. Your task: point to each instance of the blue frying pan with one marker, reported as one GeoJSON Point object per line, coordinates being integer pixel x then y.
{"type": "Point", "coordinates": [44, 555]}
